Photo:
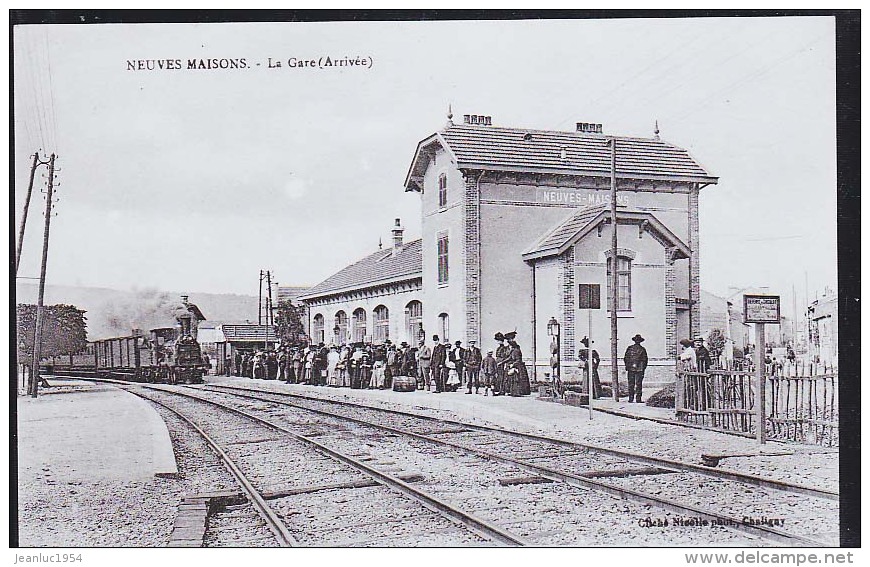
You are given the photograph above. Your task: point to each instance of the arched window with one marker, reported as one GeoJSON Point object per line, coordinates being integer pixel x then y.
{"type": "Point", "coordinates": [359, 325]}
{"type": "Point", "coordinates": [317, 334]}
{"type": "Point", "coordinates": [381, 322]}
{"type": "Point", "coordinates": [414, 321]}
{"type": "Point", "coordinates": [443, 258]}
{"type": "Point", "coordinates": [341, 326]}
{"type": "Point", "coordinates": [623, 279]}
{"type": "Point", "coordinates": [444, 326]}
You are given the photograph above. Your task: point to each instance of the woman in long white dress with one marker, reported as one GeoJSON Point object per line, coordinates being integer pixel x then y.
{"type": "Point", "coordinates": [343, 367]}
{"type": "Point", "coordinates": [331, 363]}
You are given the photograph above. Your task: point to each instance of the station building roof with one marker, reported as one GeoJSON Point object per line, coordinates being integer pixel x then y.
{"type": "Point", "coordinates": [566, 233]}
{"type": "Point", "coordinates": [249, 333]}
{"type": "Point", "coordinates": [291, 293]}
{"type": "Point", "coordinates": [547, 151]}
{"type": "Point", "coordinates": [382, 267]}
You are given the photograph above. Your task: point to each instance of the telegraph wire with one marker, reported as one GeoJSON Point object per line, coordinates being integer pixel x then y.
{"type": "Point", "coordinates": [28, 72]}
{"type": "Point", "coordinates": [38, 88]}
{"type": "Point", "coordinates": [50, 88]}
{"type": "Point", "coordinates": [616, 100]}
{"type": "Point", "coordinates": [715, 66]}
{"type": "Point", "coordinates": [665, 86]}
{"type": "Point", "coordinates": [47, 99]}
{"type": "Point", "coordinates": [611, 101]}
{"type": "Point", "coordinates": [757, 73]}
{"type": "Point", "coordinates": [34, 98]}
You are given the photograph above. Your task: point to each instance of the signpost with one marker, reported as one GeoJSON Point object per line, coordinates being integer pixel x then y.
{"type": "Point", "coordinates": [761, 310]}
{"type": "Point", "coordinates": [590, 298]}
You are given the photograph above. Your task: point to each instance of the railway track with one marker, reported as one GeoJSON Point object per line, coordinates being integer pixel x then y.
{"type": "Point", "coordinates": [309, 494]}
{"type": "Point", "coordinates": [774, 510]}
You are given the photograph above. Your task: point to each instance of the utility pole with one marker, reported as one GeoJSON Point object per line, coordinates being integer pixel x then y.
{"type": "Point", "coordinates": [260, 302]}
{"type": "Point", "coordinates": [268, 297]}
{"type": "Point", "coordinates": [614, 337]}
{"type": "Point", "coordinates": [794, 323]}
{"type": "Point", "coordinates": [37, 337]}
{"type": "Point", "coordinates": [36, 162]}
{"type": "Point", "coordinates": [268, 304]}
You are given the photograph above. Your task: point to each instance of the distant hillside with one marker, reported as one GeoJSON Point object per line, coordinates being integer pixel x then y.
{"type": "Point", "coordinates": [112, 312]}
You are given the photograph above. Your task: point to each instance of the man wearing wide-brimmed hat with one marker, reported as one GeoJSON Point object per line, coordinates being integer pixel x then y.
{"type": "Point", "coordinates": [635, 364]}
{"type": "Point", "coordinates": [702, 355]}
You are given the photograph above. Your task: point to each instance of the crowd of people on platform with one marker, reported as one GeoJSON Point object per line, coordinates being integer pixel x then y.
{"type": "Point", "coordinates": [442, 367]}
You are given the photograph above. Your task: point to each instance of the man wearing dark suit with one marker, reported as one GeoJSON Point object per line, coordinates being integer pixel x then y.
{"type": "Point", "coordinates": [439, 363]}
{"type": "Point", "coordinates": [238, 361]}
{"type": "Point", "coordinates": [635, 364]}
{"type": "Point", "coordinates": [472, 360]}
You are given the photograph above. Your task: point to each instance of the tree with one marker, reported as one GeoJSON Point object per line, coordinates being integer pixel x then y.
{"type": "Point", "coordinates": [716, 340]}
{"type": "Point", "coordinates": [64, 330]}
{"type": "Point", "coordinates": [288, 323]}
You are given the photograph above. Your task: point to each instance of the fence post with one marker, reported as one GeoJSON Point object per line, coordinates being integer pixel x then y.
{"type": "Point", "coordinates": [679, 394]}
{"type": "Point", "coordinates": [761, 422]}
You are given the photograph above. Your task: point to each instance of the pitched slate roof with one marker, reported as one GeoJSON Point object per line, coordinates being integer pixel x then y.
{"type": "Point", "coordinates": [517, 149]}
{"type": "Point", "coordinates": [291, 292]}
{"type": "Point", "coordinates": [378, 268]}
{"type": "Point", "coordinates": [566, 233]}
{"type": "Point", "coordinates": [558, 236]}
{"type": "Point", "coordinates": [249, 332]}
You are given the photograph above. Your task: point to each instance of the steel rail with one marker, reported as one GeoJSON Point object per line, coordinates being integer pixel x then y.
{"type": "Point", "coordinates": [660, 462]}
{"type": "Point", "coordinates": [466, 520]}
{"type": "Point", "coordinates": [768, 533]}
{"type": "Point", "coordinates": [284, 537]}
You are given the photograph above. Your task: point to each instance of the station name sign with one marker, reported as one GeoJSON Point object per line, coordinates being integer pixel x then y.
{"type": "Point", "coordinates": [581, 197]}
{"type": "Point", "coordinates": [761, 309]}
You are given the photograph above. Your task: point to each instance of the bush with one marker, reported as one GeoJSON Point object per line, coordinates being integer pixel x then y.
{"type": "Point", "coordinates": [664, 398]}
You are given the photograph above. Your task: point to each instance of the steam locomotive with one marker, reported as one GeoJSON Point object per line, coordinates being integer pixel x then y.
{"type": "Point", "coordinates": [167, 354]}
{"type": "Point", "coordinates": [163, 356]}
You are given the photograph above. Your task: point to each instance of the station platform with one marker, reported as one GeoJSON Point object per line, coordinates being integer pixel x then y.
{"type": "Point", "coordinates": [82, 431]}
{"type": "Point", "coordinates": [515, 412]}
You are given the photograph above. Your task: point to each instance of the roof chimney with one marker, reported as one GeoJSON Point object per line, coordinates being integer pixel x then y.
{"type": "Point", "coordinates": [477, 119]}
{"type": "Point", "coordinates": [398, 231]}
{"type": "Point", "coordinates": [590, 128]}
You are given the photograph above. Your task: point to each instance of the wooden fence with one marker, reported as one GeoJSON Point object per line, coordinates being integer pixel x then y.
{"type": "Point", "coordinates": [801, 402]}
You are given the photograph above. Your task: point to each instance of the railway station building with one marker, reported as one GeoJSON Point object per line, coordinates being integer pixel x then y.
{"type": "Point", "coordinates": [515, 228]}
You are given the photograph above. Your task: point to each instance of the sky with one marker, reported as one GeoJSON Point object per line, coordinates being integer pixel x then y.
{"type": "Point", "coordinates": [195, 180]}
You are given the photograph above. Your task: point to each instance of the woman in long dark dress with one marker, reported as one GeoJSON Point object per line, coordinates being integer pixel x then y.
{"type": "Point", "coordinates": [519, 374]}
